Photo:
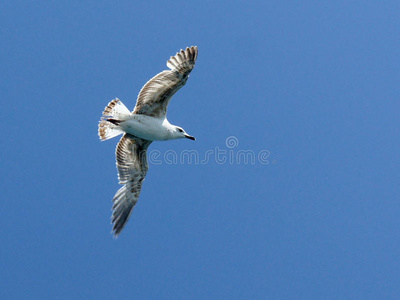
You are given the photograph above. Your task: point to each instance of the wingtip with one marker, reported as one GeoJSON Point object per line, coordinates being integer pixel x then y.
{"type": "Point", "coordinates": [114, 235]}
{"type": "Point", "coordinates": [184, 60]}
{"type": "Point", "coordinates": [116, 227]}
{"type": "Point", "coordinates": [116, 232]}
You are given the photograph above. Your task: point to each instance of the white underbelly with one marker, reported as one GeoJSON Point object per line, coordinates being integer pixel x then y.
{"type": "Point", "coordinates": [146, 127]}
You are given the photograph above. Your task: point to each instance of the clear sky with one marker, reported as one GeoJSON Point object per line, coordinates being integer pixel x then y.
{"type": "Point", "coordinates": [311, 85]}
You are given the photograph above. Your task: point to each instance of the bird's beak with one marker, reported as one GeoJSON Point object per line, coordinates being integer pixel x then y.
{"type": "Point", "coordinates": [190, 137]}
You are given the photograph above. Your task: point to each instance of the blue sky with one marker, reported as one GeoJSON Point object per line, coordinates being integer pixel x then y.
{"type": "Point", "coordinates": [315, 84]}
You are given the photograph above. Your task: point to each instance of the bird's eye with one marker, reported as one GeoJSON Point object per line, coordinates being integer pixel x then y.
{"type": "Point", "coordinates": [180, 129]}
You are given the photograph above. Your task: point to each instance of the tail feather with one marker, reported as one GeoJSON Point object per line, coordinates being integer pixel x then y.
{"type": "Point", "coordinates": [117, 111]}
{"type": "Point", "coordinates": [184, 60]}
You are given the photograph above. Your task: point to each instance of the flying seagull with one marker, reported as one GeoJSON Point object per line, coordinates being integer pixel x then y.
{"type": "Point", "coordinates": [146, 123]}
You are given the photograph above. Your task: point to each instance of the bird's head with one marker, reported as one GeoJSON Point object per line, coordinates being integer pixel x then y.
{"type": "Point", "coordinates": [179, 133]}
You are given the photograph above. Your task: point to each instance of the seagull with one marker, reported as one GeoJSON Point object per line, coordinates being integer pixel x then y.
{"type": "Point", "coordinates": [145, 124]}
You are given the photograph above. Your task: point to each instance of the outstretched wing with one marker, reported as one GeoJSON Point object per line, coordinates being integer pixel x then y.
{"type": "Point", "coordinates": [154, 97]}
{"type": "Point", "coordinates": [132, 168]}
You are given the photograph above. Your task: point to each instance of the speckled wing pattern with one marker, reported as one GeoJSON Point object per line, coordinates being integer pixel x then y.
{"type": "Point", "coordinates": [154, 97]}
{"type": "Point", "coordinates": [132, 168]}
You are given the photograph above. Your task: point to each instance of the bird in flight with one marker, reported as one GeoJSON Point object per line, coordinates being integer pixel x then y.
{"type": "Point", "coordinates": [145, 124]}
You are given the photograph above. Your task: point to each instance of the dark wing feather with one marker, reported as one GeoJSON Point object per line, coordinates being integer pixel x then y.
{"type": "Point", "coordinates": [154, 97]}
{"type": "Point", "coordinates": [132, 168]}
